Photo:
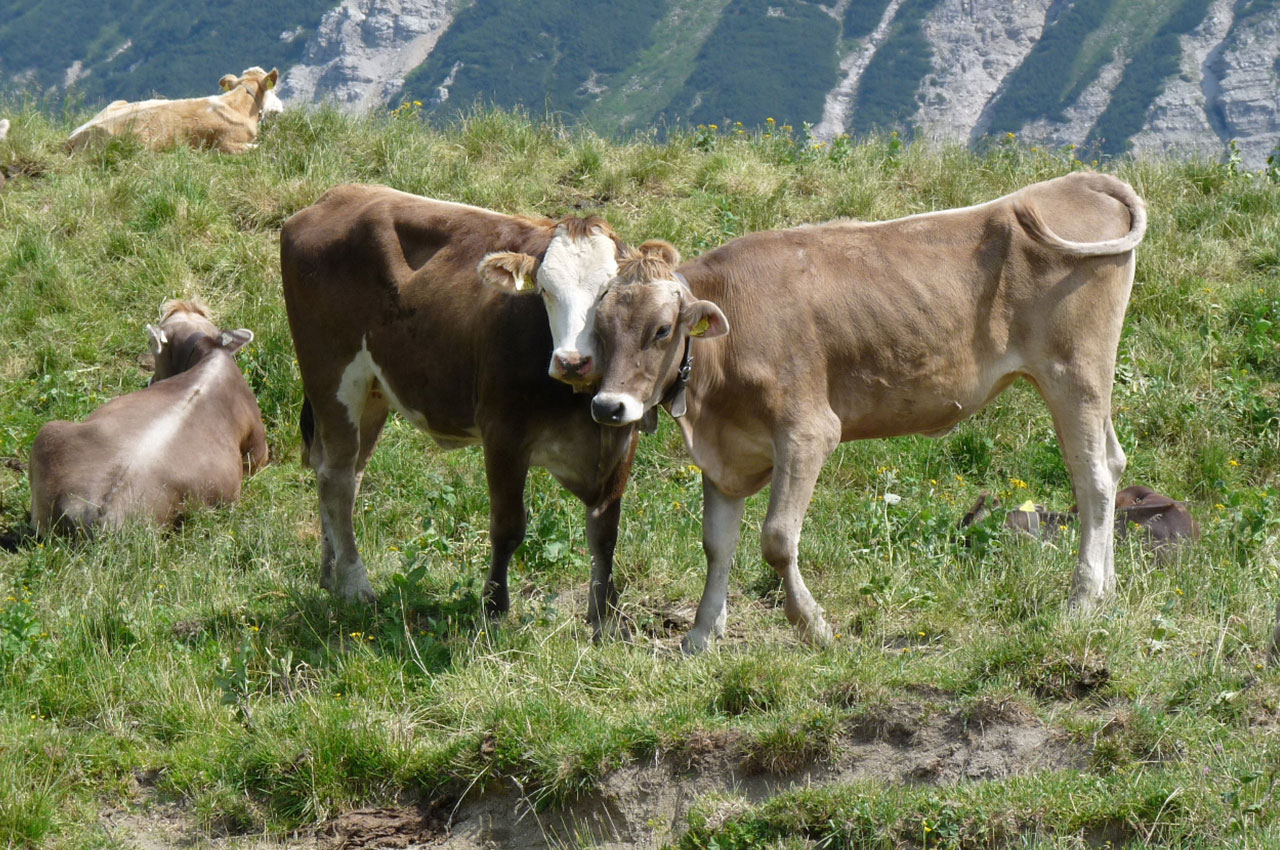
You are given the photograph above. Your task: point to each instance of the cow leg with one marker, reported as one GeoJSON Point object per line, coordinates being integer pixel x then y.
{"type": "Point", "coordinates": [506, 471]}
{"type": "Point", "coordinates": [795, 472]}
{"type": "Point", "coordinates": [1096, 461]}
{"type": "Point", "coordinates": [602, 603]}
{"type": "Point", "coordinates": [339, 455]}
{"type": "Point", "coordinates": [721, 527]}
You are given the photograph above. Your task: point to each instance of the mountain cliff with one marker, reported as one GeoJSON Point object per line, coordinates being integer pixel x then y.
{"type": "Point", "coordinates": [1148, 76]}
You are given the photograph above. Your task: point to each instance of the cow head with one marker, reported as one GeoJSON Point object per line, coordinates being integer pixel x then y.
{"type": "Point", "coordinates": [578, 264]}
{"type": "Point", "coordinates": [259, 83]}
{"type": "Point", "coordinates": [642, 323]}
{"type": "Point", "coordinates": [186, 334]}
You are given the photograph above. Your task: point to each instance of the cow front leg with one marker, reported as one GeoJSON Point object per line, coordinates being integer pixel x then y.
{"type": "Point", "coordinates": [795, 473]}
{"type": "Point", "coordinates": [721, 528]}
{"type": "Point", "coordinates": [505, 472]}
{"type": "Point", "coordinates": [602, 603]}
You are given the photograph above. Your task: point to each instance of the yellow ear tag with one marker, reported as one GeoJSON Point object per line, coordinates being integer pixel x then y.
{"type": "Point", "coordinates": [1028, 506]}
{"type": "Point", "coordinates": [700, 328]}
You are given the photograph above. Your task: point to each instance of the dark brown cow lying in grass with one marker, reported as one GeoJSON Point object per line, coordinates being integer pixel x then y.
{"type": "Point", "coordinates": [1165, 524]}
{"type": "Point", "coordinates": [853, 330]}
{"type": "Point", "coordinates": [429, 307]}
{"type": "Point", "coordinates": [187, 439]}
{"type": "Point", "coordinates": [227, 122]}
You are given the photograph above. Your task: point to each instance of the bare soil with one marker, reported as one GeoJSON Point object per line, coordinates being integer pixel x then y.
{"type": "Point", "coordinates": [646, 805]}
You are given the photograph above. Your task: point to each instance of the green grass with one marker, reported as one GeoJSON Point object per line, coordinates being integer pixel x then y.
{"type": "Point", "coordinates": [207, 661]}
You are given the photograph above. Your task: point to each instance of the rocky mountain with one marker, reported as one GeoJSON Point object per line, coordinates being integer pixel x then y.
{"type": "Point", "coordinates": [1148, 76]}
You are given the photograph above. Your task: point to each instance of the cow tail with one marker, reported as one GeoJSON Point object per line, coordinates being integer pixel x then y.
{"type": "Point", "coordinates": [1030, 219]}
{"type": "Point", "coordinates": [307, 425]}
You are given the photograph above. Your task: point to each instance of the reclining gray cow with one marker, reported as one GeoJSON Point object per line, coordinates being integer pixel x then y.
{"type": "Point", "coordinates": [851, 330]}
{"type": "Point", "coordinates": [186, 439]}
{"type": "Point", "coordinates": [471, 324]}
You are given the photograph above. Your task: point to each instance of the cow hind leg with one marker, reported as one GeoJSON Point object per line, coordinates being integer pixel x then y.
{"type": "Point", "coordinates": [338, 453]}
{"type": "Point", "coordinates": [721, 528]}
{"type": "Point", "coordinates": [1096, 461]}
{"type": "Point", "coordinates": [795, 473]}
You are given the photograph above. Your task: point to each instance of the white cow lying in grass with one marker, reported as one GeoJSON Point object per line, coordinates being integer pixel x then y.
{"type": "Point", "coordinates": [227, 122]}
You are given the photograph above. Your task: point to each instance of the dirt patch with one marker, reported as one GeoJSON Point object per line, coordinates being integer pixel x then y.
{"type": "Point", "coordinates": [384, 828]}
{"type": "Point", "coordinates": [647, 805]}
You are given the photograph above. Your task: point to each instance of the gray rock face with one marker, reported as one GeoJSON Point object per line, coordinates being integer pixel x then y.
{"type": "Point", "coordinates": [1179, 121]}
{"type": "Point", "coordinates": [976, 44]}
{"type": "Point", "coordinates": [1228, 85]}
{"type": "Point", "coordinates": [1250, 80]}
{"type": "Point", "coordinates": [362, 51]}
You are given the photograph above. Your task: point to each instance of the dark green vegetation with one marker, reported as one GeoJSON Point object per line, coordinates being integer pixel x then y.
{"type": "Point", "coordinates": [886, 95]}
{"type": "Point", "coordinates": [554, 54]}
{"type": "Point", "coordinates": [178, 49]}
{"type": "Point", "coordinates": [861, 17]}
{"type": "Point", "coordinates": [765, 59]}
{"type": "Point", "coordinates": [1143, 80]}
{"type": "Point", "coordinates": [1039, 86]}
{"type": "Point", "coordinates": [204, 668]}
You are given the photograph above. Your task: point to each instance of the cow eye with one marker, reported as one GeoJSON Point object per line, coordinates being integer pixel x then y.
{"type": "Point", "coordinates": [663, 333]}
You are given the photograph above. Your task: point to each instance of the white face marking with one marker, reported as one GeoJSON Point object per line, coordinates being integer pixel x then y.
{"type": "Point", "coordinates": [572, 274]}
{"type": "Point", "coordinates": [272, 105]}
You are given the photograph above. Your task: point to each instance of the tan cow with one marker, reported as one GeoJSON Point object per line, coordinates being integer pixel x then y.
{"type": "Point", "coordinates": [227, 122]}
{"type": "Point", "coordinates": [186, 439]}
{"type": "Point", "coordinates": [852, 330]}
{"type": "Point", "coordinates": [458, 318]}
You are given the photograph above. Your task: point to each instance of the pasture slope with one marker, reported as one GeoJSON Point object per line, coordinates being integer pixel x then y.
{"type": "Point", "coordinates": [196, 688]}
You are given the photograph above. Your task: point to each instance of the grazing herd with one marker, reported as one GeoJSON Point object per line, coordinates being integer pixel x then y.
{"type": "Point", "coordinates": [552, 343]}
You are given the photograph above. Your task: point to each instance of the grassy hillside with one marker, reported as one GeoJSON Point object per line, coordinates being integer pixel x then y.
{"type": "Point", "coordinates": [199, 677]}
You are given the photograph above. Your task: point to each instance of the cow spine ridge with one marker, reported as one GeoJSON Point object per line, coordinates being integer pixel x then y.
{"type": "Point", "coordinates": [1030, 219]}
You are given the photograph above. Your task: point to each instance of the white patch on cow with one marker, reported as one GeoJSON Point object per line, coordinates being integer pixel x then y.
{"type": "Point", "coordinates": [571, 276]}
{"type": "Point", "coordinates": [353, 390]}
{"type": "Point", "coordinates": [632, 408]}
{"type": "Point", "coordinates": [150, 446]}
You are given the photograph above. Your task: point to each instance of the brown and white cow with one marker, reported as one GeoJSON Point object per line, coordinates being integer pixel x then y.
{"type": "Point", "coordinates": [457, 317]}
{"type": "Point", "coordinates": [227, 122]}
{"type": "Point", "coordinates": [186, 439]}
{"type": "Point", "coordinates": [851, 330]}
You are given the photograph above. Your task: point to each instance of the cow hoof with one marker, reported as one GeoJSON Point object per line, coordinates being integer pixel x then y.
{"type": "Point", "coordinates": [1084, 602]}
{"type": "Point", "coordinates": [357, 590]}
{"type": "Point", "coordinates": [816, 632]}
{"type": "Point", "coordinates": [695, 643]}
{"type": "Point", "coordinates": [614, 630]}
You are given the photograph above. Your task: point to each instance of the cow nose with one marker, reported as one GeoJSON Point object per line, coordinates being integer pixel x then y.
{"type": "Point", "coordinates": [572, 364]}
{"type": "Point", "coordinates": [607, 411]}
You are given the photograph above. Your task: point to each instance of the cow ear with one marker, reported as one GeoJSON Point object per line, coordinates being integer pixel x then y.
{"type": "Point", "coordinates": [508, 270]}
{"type": "Point", "coordinates": [228, 82]}
{"type": "Point", "coordinates": [269, 81]}
{"type": "Point", "coordinates": [235, 340]}
{"type": "Point", "coordinates": [158, 338]}
{"type": "Point", "coordinates": [704, 319]}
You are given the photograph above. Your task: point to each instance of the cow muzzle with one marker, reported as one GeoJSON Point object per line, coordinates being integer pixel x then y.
{"type": "Point", "coordinates": [572, 367]}
{"type": "Point", "coordinates": [616, 409]}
